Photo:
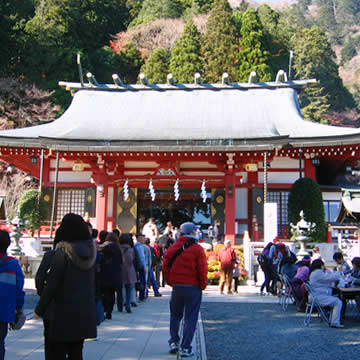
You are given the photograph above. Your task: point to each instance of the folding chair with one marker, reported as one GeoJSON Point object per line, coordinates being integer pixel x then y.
{"type": "Point", "coordinates": [286, 293]}
{"type": "Point", "coordinates": [323, 311]}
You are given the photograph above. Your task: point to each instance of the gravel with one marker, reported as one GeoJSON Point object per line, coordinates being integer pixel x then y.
{"type": "Point", "coordinates": [250, 331]}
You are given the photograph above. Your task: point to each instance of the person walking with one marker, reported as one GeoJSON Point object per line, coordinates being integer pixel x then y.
{"type": "Point", "coordinates": [227, 258]}
{"type": "Point", "coordinates": [40, 283]}
{"type": "Point", "coordinates": [69, 294]}
{"type": "Point", "coordinates": [11, 290]}
{"type": "Point", "coordinates": [185, 269]}
{"type": "Point", "coordinates": [141, 264]}
{"type": "Point", "coordinates": [128, 270]}
{"type": "Point", "coordinates": [111, 274]}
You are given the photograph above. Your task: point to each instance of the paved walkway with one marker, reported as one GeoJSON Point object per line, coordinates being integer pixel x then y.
{"type": "Point", "coordinates": [143, 334]}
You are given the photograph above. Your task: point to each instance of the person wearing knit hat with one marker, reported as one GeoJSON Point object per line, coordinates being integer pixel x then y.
{"type": "Point", "coordinates": [185, 269]}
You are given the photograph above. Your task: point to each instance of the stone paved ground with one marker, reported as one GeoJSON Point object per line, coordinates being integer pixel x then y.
{"type": "Point", "coordinates": [258, 331]}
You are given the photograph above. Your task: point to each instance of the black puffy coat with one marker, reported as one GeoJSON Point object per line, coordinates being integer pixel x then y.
{"type": "Point", "coordinates": [111, 265]}
{"type": "Point", "coordinates": [70, 290]}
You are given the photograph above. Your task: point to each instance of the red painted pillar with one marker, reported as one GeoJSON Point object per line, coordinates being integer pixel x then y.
{"type": "Point", "coordinates": [101, 201]}
{"type": "Point", "coordinates": [310, 170]}
{"type": "Point", "coordinates": [230, 208]}
{"type": "Point", "coordinates": [329, 234]}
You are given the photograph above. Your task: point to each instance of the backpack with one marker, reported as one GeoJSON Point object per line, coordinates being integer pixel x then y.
{"type": "Point", "coordinates": [290, 258]}
{"type": "Point", "coordinates": [262, 260]}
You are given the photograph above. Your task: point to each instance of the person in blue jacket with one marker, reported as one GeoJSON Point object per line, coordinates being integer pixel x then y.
{"type": "Point", "coordinates": [11, 290]}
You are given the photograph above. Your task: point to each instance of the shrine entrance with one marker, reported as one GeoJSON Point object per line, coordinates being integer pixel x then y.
{"type": "Point", "coordinates": [189, 207]}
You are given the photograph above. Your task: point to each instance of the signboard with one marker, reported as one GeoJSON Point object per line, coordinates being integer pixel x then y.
{"type": "Point", "coordinates": [270, 222]}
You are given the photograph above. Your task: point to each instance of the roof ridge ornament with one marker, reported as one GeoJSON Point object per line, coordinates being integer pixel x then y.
{"type": "Point", "coordinates": [252, 77]}
{"type": "Point", "coordinates": [170, 79]}
{"type": "Point", "coordinates": [92, 80]}
{"type": "Point", "coordinates": [143, 80]}
{"type": "Point", "coordinates": [225, 79]}
{"type": "Point", "coordinates": [117, 80]}
{"type": "Point", "coordinates": [281, 76]}
{"type": "Point", "coordinates": [197, 79]}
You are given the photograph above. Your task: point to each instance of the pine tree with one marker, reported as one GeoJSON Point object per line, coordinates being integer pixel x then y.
{"type": "Point", "coordinates": [156, 67]}
{"type": "Point", "coordinates": [219, 42]}
{"type": "Point", "coordinates": [186, 57]}
{"type": "Point", "coordinates": [314, 58]}
{"type": "Point", "coordinates": [269, 20]}
{"type": "Point", "coordinates": [314, 103]}
{"type": "Point", "coordinates": [252, 56]}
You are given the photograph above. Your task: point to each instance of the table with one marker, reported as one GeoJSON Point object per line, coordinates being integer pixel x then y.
{"type": "Point", "coordinates": [347, 294]}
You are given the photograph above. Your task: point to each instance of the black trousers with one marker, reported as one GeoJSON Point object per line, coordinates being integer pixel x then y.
{"type": "Point", "coordinates": [65, 350]}
{"type": "Point", "coordinates": [108, 299]}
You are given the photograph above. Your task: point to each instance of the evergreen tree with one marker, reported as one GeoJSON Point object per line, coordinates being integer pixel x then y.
{"type": "Point", "coordinates": [156, 67]}
{"type": "Point", "coordinates": [186, 57]}
{"type": "Point", "coordinates": [314, 103]}
{"type": "Point", "coordinates": [269, 20]}
{"type": "Point", "coordinates": [252, 56]}
{"type": "Point", "coordinates": [219, 42]}
{"type": "Point", "coordinates": [133, 62]}
{"type": "Point", "coordinates": [13, 16]}
{"type": "Point", "coordinates": [305, 194]}
{"type": "Point", "coordinates": [157, 9]}
{"type": "Point", "coordinates": [314, 58]}
{"type": "Point", "coordinates": [202, 6]}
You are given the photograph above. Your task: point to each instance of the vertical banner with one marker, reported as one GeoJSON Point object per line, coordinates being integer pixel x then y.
{"type": "Point", "coordinates": [270, 222]}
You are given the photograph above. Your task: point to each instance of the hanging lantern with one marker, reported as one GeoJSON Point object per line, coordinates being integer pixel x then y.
{"type": "Point", "coordinates": [152, 190]}
{"type": "Point", "coordinates": [203, 191]}
{"type": "Point", "coordinates": [176, 190]}
{"type": "Point", "coordinates": [126, 190]}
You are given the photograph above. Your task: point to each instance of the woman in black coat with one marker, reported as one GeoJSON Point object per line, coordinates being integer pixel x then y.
{"type": "Point", "coordinates": [69, 294]}
{"type": "Point", "coordinates": [111, 273]}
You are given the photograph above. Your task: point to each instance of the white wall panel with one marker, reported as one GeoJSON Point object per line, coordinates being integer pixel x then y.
{"type": "Point", "coordinates": [110, 202]}
{"type": "Point", "coordinates": [279, 177]}
{"type": "Point", "coordinates": [241, 203]}
{"type": "Point", "coordinates": [71, 176]}
{"type": "Point", "coordinates": [331, 195]}
{"type": "Point", "coordinates": [284, 163]}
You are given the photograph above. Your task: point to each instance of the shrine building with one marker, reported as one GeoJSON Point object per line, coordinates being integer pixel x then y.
{"type": "Point", "coordinates": [181, 152]}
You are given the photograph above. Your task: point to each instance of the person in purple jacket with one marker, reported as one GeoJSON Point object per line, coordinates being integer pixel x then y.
{"type": "Point", "coordinates": [11, 290]}
{"type": "Point", "coordinates": [298, 282]}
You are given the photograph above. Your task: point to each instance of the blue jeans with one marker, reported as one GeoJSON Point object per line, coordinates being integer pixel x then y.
{"type": "Point", "coordinates": [3, 333]}
{"type": "Point", "coordinates": [143, 285]}
{"type": "Point", "coordinates": [185, 300]}
{"type": "Point", "coordinates": [153, 281]}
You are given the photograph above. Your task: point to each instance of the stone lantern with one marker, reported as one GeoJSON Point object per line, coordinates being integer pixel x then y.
{"type": "Point", "coordinates": [16, 235]}
{"type": "Point", "coordinates": [302, 231]}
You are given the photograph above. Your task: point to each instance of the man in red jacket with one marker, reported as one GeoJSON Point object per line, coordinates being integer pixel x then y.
{"type": "Point", "coordinates": [185, 269]}
{"type": "Point", "coordinates": [227, 257]}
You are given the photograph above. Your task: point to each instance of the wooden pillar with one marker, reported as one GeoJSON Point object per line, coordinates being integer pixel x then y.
{"type": "Point", "coordinates": [230, 208]}
{"type": "Point", "coordinates": [310, 170]}
{"type": "Point", "coordinates": [101, 201]}
{"type": "Point", "coordinates": [329, 234]}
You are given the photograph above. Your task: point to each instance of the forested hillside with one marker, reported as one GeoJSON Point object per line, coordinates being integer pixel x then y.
{"type": "Point", "coordinates": [40, 39]}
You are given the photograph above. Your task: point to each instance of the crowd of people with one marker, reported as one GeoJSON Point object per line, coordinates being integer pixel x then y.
{"type": "Point", "coordinates": [117, 268]}
{"type": "Point", "coordinates": [88, 273]}
{"type": "Point", "coordinates": [279, 264]}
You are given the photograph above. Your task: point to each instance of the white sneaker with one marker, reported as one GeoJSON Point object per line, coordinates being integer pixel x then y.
{"type": "Point", "coordinates": [174, 347]}
{"type": "Point", "coordinates": [184, 353]}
